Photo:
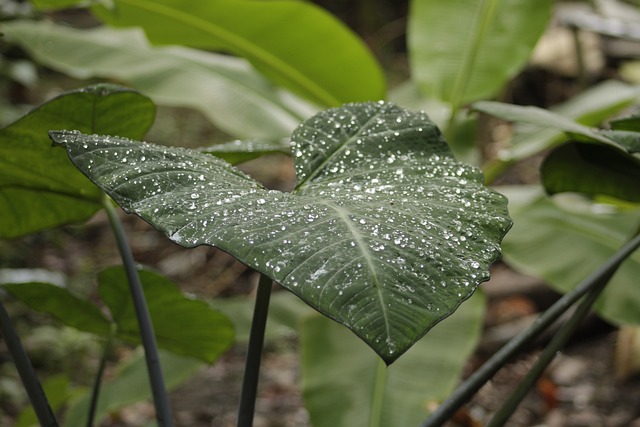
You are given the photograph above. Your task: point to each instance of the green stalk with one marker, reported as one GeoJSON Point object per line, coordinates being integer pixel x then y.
{"type": "Point", "coordinates": [95, 393]}
{"type": "Point", "coordinates": [469, 387]}
{"type": "Point", "coordinates": [378, 394]}
{"type": "Point", "coordinates": [156, 379]}
{"type": "Point", "coordinates": [246, 408]}
{"type": "Point", "coordinates": [549, 353]}
{"type": "Point", "coordinates": [25, 370]}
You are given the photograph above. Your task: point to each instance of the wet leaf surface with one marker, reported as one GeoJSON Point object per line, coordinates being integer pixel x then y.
{"type": "Point", "coordinates": [385, 232]}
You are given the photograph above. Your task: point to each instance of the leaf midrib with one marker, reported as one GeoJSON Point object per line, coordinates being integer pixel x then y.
{"type": "Point", "coordinates": [241, 45]}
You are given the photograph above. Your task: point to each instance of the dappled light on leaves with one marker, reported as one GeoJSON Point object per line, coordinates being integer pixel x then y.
{"type": "Point", "coordinates": [385, 231]}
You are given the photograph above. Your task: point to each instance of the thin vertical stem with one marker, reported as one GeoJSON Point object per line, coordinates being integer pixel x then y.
{"type": "Point", "coordinates": [246, 409]}
{"type": "Point", "coordinates": [95, 393]}
{"type": "Point", "coordinates": [378, 394]}
{"type": "Point", "coordinates": [160, 398]}
{"type": "Point", "coordinates": [470, 386]}
{"type": "Point", "coordinates": [25, 370]}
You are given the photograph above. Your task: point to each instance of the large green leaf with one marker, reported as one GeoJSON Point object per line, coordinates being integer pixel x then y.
{"type": "Point", "coordinates": [465, 50]}
{"type": "Point", "coordinates": [226, 90]}
{"type": "Point", "coordinates": [592, 169]}
{"type": "Point", "coordinates": [181, 324]}
{"type": "Point", "coordinates": [563, 243]}
{"type": "Point", "coordinates": [343, 384]}
{"type": "Point", "coordinates": [130, 385]}
{"type": "Point", "coordinates": [39, 187]}
{"type": "Point", "coordinates": [297, 44]}
{"type": "Point", "coordinates": [385, 232]}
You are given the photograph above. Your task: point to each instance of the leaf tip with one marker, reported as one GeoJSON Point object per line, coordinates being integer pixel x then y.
{"type": "Point", "coordinates": [60, 137]}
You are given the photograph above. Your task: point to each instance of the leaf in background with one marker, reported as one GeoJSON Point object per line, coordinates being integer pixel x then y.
{"type": "Point", "coordinates": [183, 325]}
{"type": "Point", "coordinates": [592, 169]}
{"type": "Point", "coordinates": [386, 232]}
{"type": "Point", "coordinates": [39, 187]}
{"type": "Point", "coordinates": [343, 385]}
{"type": "Point", "coordinates": [227, 90]}
{"type": "Point", "coordinates": [629, 123]}
{"type": "Point", "coordinates": [62, 305]}
{"type": "Point", "coordinates": [590, 108]}
{"type": "Point", "coordinates": [130, 385]}
{"type": "Point", "coordinates": [296, 44]}
{"type": "Point", "coordinates": [464, 50]}
{"type": "Point", "coordinates": [56, 4]}
{"type": "Point", "coordinates": [241, 151]}
{"type": "Point", "coordinates": [563, 244]}
{"type": "Point", "coordinates": [628, 140]}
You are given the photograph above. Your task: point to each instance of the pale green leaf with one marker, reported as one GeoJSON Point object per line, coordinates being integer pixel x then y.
{"type": "Point", "coordinates": [343, 384]}
{"type": "Point", "coordinates": [465, 50]}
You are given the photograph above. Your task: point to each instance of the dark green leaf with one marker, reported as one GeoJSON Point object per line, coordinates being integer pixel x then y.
{"type": "Point", "coordinates": [629, 123]}
{"type": "Point", "coordinates": [39, 187]}
{"type": "Point", "coordinates": [629, 140]}
{"type": "Point", "coordinates": [386, 232]}
{"type": "Point", "coordinates": [61, 304]}
{"type": "Point", "coordinates": [297, 44]}
{"type": "Point", "coordinates": [182, 325]}
{"type": "Point", "coordinates": [592, 169]}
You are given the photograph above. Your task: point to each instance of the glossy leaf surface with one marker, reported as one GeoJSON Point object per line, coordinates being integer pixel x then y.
{"type": "Point", "coordinates": [465, 50]}
{"type": "Point", "coordinates": [296, 44]}
{"type": "Point", "coordinates": [343, 384]}
{"type": "Point", "coordinates": [227, 90]}
{"type": "Point", "coordinates": [386, 232]}
{"type": "Point", "coordinates": [592, 169]}
{"type": "Point", "coordinates": [39, 187]}
{"type": "Point", "coordinates": [564, 242]}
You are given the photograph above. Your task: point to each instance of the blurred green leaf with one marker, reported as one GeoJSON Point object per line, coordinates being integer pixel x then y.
{"type": "Point", "coordinates": [241, 151]}
{"type": "Point", "coordinates": [465, 50]}
{"type": "Point", "coordinates": [563, 240]}
{"type": "Point", "coordinates": [227, 90]}
{"type": "Point", "coordinates": [344, 385]}
{"type": "Point", "coordinates": [183, 325]}
{"type": "Point", "coordinates": [296, 44]}
{"type": "Point", "coordinates": [130, 385]}
{"type": "Point", "coordinates": [592, 169]}
{"type": "Point", "coordinates": [62, 305]}
{"type": "Point", "coordinates": [39, 187]}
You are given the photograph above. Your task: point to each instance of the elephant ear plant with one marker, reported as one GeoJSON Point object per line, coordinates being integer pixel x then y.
{"type": "Point", "coordinates": [385, 231]}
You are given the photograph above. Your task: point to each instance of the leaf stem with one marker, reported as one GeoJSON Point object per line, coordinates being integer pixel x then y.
{"type": "Point", "coordinates": [156, 379]}
{"type": "Point", "coordinates": [25, 370]}
{"type": "Point", "coordinates": [378, 393]}
{"type": "Point", "coordinates": [558, 341]}
{"type": "Point", "coordinates": [469, 387]}
{"type": "Point", "coordinates": [249, 391]}
{"type": "Point", "coordinates": [95, 392]}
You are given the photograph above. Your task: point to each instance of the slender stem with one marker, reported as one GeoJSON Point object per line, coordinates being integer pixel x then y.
{"type": "Point", "coordinates": [378, 394]}
{"type": "Point", "coordinates": [469, 387]}
{"type": "Point", "coordinates": [160, 398]}
{"type": "Point", "coordinates": [249, 391]}
{"type": "Point", "coordinates": [25, 370]}
{"type": "Point", "coordinates": [549, 353]}
{"type": "Point", "coordinates": [95, 393]}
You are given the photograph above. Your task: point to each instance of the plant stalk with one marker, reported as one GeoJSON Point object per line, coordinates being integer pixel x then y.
{"type": "Point", "coordinates": [156, 379]}
{"type": "Point", "coordinates": [27, 374]}
{"type": "Point", "coordinates": [470, 386]}
{"type": "Point", "coordinates": [95, 392]}
{"type": "Point", "coordinates": [246, 408]}
{"type": "Point", "coordinates": [549, 353]}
